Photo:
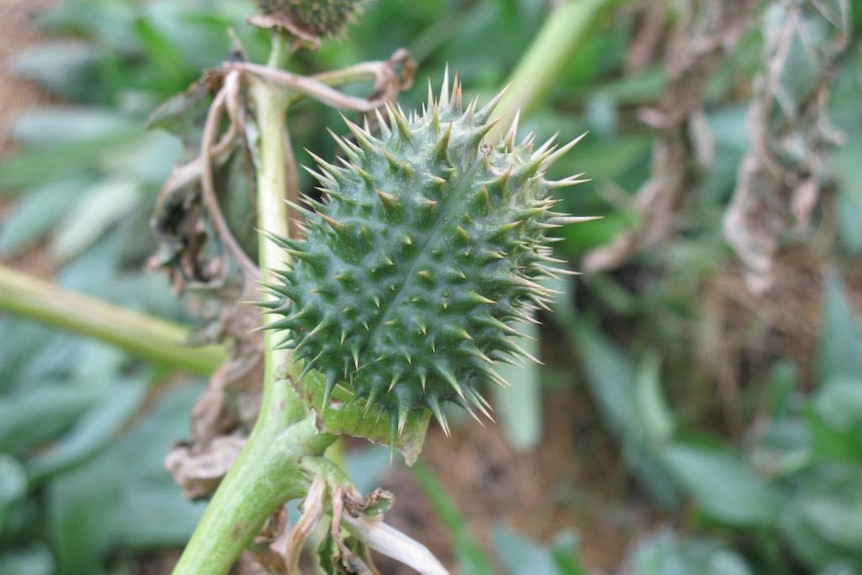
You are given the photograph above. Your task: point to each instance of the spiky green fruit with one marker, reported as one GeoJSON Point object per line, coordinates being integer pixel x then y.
{"type": "Point", "coordinates": [323, 19]}
{"type": "Point", "coordinates": [427, 248]}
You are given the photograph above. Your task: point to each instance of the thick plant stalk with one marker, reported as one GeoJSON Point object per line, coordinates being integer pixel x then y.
{"type": "Point", "coordinates": [156, 340]}
{"type": "Point", "coordinates": [275, 177]}
{"type": "Point", "coordinates": [564, 31]}
{"type": "Point", "coordinates": [266, 474]}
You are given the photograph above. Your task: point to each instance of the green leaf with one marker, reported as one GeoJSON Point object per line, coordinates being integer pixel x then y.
{"type": "Point", "coordinates": [849, 211]}
{"type": "Point", "coordinates": [149, 161]}
{"type": "Point", "coordinates": [165, 58]}
{"type": "Point", "coordinates": [194, 35]}
{"type": "Point", "coordinates": [722, 486]}
{"type": "Point", "coordinates": [668, 554]}
{"type": "Point", "coordinates": [582, 237]}
{"type": "Point", "coordinates": [519, 407]}
{"type": "Point", "coordinates": [13, 487]}
{"type": "Point", "coordinates": [32, 353]}
{"type": "Point", "coordinates": [834, 419]}
{"type": "Point", "coordinates": [840, 348]}
{"type": "Point", "coordinates": [611, 379]}
{"type": "Point", "coordinates": [654, 412]}
{"type": "Point", "coordinates": [105, 20]}
{"type": "Point", "coordinates": [823, 518]}
{"type": "Point", "coordinates": [124, 497]}
{"type": "Point", "coordinates": [564, 547]}
{"type": "Point", "coordinates": [47, 127]}
{"type": "Point", "coordinates": [37, 212]}
{"type": "Point", "coordinates": [608, 159]}
{"type": "Point", "coordinates": [104, 205]}
{"type": "Point", "coordinates": [520, 555]}
{"type": "Point", "coordinates": [48, 165]}
{"type": "Point", "coordinates": [848, 208]}
{"type": "Point", "coordinates": [184, 114]}
{"type": "Point", "coordinates": [839, 402]}
{"type": "Point", "coordinates": [34, 560]}
{"type": "Point", "coordinates": [344, 417]}
{"type": "Point", "coordinates": [69, 68]}
{"type": "Point", "coordinates": [641, 88]}
{"type": "Point", "coordinates": [93, 432]}
{"type": "Point", "coordinates": [784, 447]}
{"type": "Point", "coordinates": [55, 405]}
{"type": "Point", "coordinates": [805, 54]}
{"type": "Point", "coordinates": [468, 555]}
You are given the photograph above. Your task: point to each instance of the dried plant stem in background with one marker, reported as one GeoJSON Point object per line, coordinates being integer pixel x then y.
{"type": "Point", "coordinates": [782, 175]}
{"type": "Point", "coordinates": [704, 35]}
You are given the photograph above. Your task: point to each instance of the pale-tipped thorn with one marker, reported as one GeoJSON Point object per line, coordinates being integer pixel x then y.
{"type": "Point", "coordinates": [509, 139]}
{"type": "Point", "coordinates": [546, 148]}
{"type": "Point", "coordinates": [396, 121]}
{"type": "Point", "coordinates": [443, 99]}
{"type": "Point", "coordinates": [480, 402]}
{"type": "Point", "coordinates": [577, 219]}
{"type": "Point", "coordinates": [434, 405]}
{"type": "Point", "coordinates": [327, 390]}
{"type": "Point", "coordinates": [455, 98]}
{"type": "Point", "coordinates": [485, 111]}
{"type": "Point", "coordinates": [563, 150]}
{"type": "Point", "coordinates": [449, 378]}
{"type": "Point", "coordinates": [350, 149]}
{"type": "Point", "coordinates": [466, 406]}
{"type": "Point", "coordinates": [363, 138]}
{"type": "Point", "coordinates": [568, 182]}
{"type": "Point", "coordinates": [403, 414]}
{"type": "Point", "coordinates": [382, 125]}
{"type": "Point", "coordinates": [432, 102]}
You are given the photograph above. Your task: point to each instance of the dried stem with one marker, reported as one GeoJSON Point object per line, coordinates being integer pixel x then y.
{"type": "Point", "coordinates": [266, 473]}
{"type": "Point", "coordinates": [698, 45]}
{"type": "Point", "coordinates": [208, 194]}
{"type": "Point", "coordinates": [312, 88]}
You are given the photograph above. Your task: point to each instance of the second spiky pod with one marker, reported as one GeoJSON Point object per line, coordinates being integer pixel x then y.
{"type": "Point", "coordinates": [311, 19]}
{"type": "Point", "coordinates": [426, 249]}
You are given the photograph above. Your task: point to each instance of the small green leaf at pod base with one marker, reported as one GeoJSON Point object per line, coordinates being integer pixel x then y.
{"type": "Point", "coordinates": [344, 415]}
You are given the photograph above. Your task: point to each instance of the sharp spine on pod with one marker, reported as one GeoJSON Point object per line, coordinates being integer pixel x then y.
{"type": "Point", "coordinates": [435, 243]}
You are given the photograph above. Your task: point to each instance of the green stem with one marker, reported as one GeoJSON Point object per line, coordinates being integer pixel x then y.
{"type": "Point", "coordinates": [551, 51]}
{"type": "Point", "coordinates": [153, 339]}
{"type": "Point", "coordinates": [272, 189]}
{"type": "Point", "coordinates": [266, 474]}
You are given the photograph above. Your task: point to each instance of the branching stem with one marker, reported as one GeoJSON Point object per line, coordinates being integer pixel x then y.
{"type": "Point", "coordinates": [208, 194]}
{"type": "Point", "coordinates": [266, 474]}
{"type": "Point", "coordinates": [146, 337]}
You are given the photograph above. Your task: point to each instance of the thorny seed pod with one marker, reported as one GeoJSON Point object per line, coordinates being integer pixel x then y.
{"type": "Point", "coordinates": [307, 19]}
{"type": "Point", "coordinates": [427, 248]}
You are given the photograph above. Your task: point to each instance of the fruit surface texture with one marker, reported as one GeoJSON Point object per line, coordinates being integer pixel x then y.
{"type": "Point", "coordinates": [325, 18]}
{"type": "Point", "coordinates": [428, 245]}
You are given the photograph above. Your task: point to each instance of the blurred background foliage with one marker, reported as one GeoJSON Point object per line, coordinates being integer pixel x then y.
{"type": "Point", "coordinates": [734, 418]}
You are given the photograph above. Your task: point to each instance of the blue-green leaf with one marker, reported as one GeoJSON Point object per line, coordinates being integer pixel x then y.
{"type": "Point", "coordinates": [840, 348]}
{"type": "Point", "coordinates": [723, 486]}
